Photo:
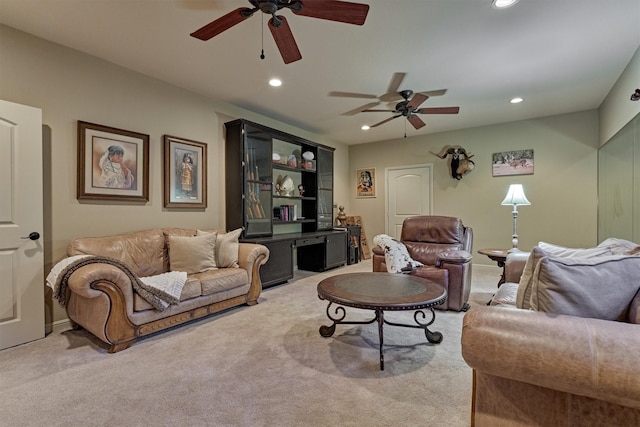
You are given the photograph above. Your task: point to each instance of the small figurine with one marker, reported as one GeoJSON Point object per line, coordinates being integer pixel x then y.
{"type": "Point", "coordinates": [342, 217]}
{"type": "Point", "coordinates": [301, 190]}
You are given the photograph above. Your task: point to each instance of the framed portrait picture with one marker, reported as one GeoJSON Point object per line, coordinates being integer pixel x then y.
{"type": "Point", "coordinates": [113, 164]}
{"type": "Point", "coordinates": [518, 162]}
{"type": "Point", "coordinates": [185, 173]}
{"type": "Point", "coordinates": [366, 182]}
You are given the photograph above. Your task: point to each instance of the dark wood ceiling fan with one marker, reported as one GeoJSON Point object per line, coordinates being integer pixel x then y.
{"type": "Point", "coordinates": [332, 10]}
{"type": "Point", "coordinates": [409, 108]}
{"type": "Point", "coordinates": [393, 94]}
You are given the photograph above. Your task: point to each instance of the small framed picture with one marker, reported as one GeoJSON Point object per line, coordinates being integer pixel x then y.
{"type": "Point", "coordinates": [518, 162]}
{"type": "Point", "coordinates": [185, 173]}
{"type": "Point", "coordinates": [366, 182]}
{"type": "Point", "coordinates": [113, 164]}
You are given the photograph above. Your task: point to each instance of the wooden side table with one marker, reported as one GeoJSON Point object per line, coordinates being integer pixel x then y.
{"type": "Point", "coordinates": [499, 256]}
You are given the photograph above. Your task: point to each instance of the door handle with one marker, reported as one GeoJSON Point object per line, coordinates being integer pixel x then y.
{"type": "Point", "coordinates": [32, 236]}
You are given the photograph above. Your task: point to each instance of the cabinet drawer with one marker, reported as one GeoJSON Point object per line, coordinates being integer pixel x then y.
{"type": "Point", "coordinates": [310, 241]}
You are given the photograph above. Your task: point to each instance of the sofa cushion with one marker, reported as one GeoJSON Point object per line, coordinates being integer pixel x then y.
{"type": "Point", "coordinates": [192, 254]}
{"type": "Point", "coordinates": [396, 256]}
{"type": "Point", "coordinates": [524, 289]}
{"type": "Point", "coordinates": [221, 280]}
{"type": "Point", "coordinates": [505, 295]}
{"type": "Point", "coordinates": [598, 287]}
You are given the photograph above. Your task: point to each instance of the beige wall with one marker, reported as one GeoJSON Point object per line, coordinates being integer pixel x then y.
{"type": "Point", "coordinates": [68, 86]}
{"type": "Point", "coordinates": [617, 109]}
{"type": "Point", "coordinates": [562, 191]}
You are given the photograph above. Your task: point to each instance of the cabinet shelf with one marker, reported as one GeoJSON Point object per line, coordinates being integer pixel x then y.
{"type": "Point", "coordinates": [297, 221]}
{"type": "Point", "coordinates": [275, 196]}
{"type": "Point", "coordinates": [284, 167]}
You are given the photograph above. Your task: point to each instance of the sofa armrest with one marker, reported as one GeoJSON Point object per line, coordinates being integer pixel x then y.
{"type": "Point", "coordinates": [453, 257]}
{"type": "Point", "coordinates": [514, 266]}
{"type": "Point", "coordinates": [82, 282]}
{"type": "Point", "coordinates": [588, 357]}
{"type": "Point", "coordinates": [250, 257]}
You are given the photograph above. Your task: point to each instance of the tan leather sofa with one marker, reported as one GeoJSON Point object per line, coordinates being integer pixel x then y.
{"type": "Point", "coordinates": [533, 368]}
{"type": "Point", "coordinates": [102, 299]}
{"type": "Point", "coordinates": [443, 244]}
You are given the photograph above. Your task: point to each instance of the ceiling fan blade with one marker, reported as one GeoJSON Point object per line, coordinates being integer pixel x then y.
{"type": "Point", "coordinates": [334, 10]}
{"type": "Point", "coordinates": [392, 91]}
{"type": "Point", "coordinates": [352, 95]}
{"type": "Point", "coordinates": [385, 121]}
{"type": "Point", "coordinates": [438, 110]}
{"type": "Point", "coordinates": [376, 111]}
{"type": "Point", "coordinates": [431, 93]}
{"type": "Point", "coordinates": [221, 24]}
{"type": "Point", "coordinates": [416, 121]}
{"type": "Point", "coordinates": [417, 99]}
{"type": "Point", "coordinates": [360, 109]}
{"type": "Point", "coordinates": [284, 40]}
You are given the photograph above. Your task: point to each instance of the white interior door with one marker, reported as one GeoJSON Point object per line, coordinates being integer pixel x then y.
{"type": "Point", "coordinates": [409, 193]}
{"type": "Point", "coordinates": [21, 256]}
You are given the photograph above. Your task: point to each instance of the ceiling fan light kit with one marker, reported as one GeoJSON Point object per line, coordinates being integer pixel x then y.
{"type": "Point", "coordinates": [331, 10]}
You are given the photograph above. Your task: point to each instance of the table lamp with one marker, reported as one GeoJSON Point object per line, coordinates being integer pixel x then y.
{"type": "Point", "coordinates": [515, 197]}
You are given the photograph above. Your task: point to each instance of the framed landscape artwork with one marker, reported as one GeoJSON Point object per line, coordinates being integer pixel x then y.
{"type": "Point", "coordinates": [113, 164]}
{"type": "Point", "coordinates": [518, 162]}
{"type": "Point", "coordinates": [366, 182]}
{"type": "Point", "coordinates": [185, 173]}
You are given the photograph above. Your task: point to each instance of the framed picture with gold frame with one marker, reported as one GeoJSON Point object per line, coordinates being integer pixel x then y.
{"type": "Point", "coordinates": [185, 173]}
{"type": "Point", "coordinates": [113, 164]}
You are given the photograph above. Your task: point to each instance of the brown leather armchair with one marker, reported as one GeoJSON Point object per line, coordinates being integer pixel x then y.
{"type": "Point", "coordinates": [443, 244]}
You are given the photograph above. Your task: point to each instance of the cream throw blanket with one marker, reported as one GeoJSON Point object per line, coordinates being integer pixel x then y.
{"type": "Point", "coordinates": [160, 291]}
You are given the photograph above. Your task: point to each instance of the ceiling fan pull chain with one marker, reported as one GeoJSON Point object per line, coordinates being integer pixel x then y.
{"type": "Point", "coordinates": [262, 50]}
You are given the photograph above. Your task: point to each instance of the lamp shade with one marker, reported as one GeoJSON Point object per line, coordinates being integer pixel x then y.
{"type": "Point", "coordinates": [515, 196]}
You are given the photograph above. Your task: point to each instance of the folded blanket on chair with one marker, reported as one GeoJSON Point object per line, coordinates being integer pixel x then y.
{"type": "Point", "coordinates": [160, 291]}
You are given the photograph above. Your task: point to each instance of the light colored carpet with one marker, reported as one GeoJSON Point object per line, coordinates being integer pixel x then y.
{"type": "Point", "coordinates": [265, 365]}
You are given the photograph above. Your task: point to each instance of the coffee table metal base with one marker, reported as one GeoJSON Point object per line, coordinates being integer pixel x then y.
{"type": "Point", "coordinates": [339, 314]}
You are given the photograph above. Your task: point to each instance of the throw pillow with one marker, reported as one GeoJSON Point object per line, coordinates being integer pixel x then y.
{"type": "Point", "coordinates": [192, 254]}
{"type": "Point", "coordinates": [227, 246]}
{"type": "Point", "coordinates": [597, 287]}
{"type": "Point", "coordinates": [538, 252]}
{"type": "Point", "coordinates": [565, 252]}
{"type": "Point", "coordinates": [620, 246]}
{"type": "Point", "coordinates": [396, 256]}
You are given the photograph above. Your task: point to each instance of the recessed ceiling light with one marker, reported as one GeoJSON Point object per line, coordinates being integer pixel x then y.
{"type": "Point", "coordinates": [275, 82]}
{"type": "Point", "coordinates": [516, 100]}
{"type": "Point", "coordinates": [365, 127]}
{"type": "Point", "coordinates": [503, 4]}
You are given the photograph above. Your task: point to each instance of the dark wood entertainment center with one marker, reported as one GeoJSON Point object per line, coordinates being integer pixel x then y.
{"type": "Point", "coordinates": [279, 188]}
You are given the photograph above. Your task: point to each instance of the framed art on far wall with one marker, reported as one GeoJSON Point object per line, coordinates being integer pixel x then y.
{"type": "Point", "coordinates": [113, 164]}
{"type": "Point", "coordinates": [185, 173]}
{"type": "Point", "coordinates": [366, 182]}
{"type": "Point", "coordinates": [518, 162]}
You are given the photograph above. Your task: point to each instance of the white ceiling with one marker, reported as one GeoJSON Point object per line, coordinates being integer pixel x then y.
{"type": "Point", "coordinates": [560, 55]}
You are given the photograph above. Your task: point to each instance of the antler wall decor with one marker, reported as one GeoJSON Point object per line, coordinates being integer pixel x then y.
{"type": "Point", "coordinates": [460, 162]}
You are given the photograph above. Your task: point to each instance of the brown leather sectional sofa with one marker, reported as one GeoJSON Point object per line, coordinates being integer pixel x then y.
{"type": "Point", "coordinates": [533, 368]}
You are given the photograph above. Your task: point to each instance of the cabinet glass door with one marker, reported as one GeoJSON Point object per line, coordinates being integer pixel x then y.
{"type": "Point", "coordinates": [325, 189]}
{"type": "Point", "coordinates": [257, 191]}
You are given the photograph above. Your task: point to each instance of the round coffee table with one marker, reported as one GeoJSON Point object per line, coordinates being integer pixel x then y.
{"type": "Point", "coordinates": [381, 292]}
